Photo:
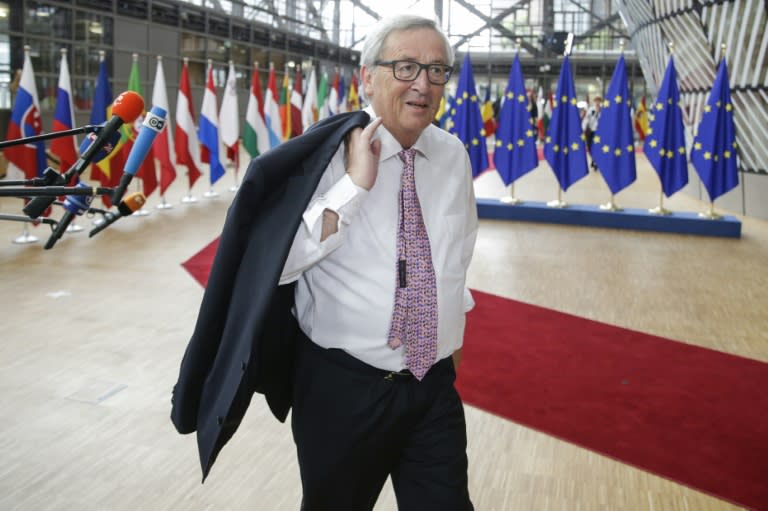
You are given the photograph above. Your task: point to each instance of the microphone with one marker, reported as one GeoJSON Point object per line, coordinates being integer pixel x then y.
{"type": "Point", "coordinates": [108, 146]}
{"type": "Point", "coordinates": [152, 125]}
{"type": "Point", "coordinates": [126, 108]}
{"type": "Point", "coordinates": [74, 205]}
{"type": "Point", "coordinates": [130, 205]}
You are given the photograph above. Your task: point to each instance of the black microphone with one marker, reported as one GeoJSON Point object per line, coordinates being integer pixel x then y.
{"type": "Point", "coordinates": [152, 125]}
{"type": "Point", "coordinates": [126, 108]}
{"type": "Point", "coordinates": [130, 205]}
{"type": "Point", "coordinates": [74, 205]}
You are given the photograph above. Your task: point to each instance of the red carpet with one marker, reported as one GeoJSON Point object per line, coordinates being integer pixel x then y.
{"type": "Point", "coordinates": [693, 415]}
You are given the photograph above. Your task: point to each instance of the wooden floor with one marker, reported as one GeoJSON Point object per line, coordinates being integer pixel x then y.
{"type": "Point", "coordinates": [93, 332]}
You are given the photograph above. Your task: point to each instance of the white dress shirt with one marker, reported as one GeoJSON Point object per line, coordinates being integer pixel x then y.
{"type": "Point", "coordinates": [346, 284]}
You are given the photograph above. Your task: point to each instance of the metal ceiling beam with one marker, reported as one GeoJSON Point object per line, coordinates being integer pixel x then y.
{"type": "Point", "coordinates": [375, 15]}
{"type": "Point", "coordinates": [312, 10]}
{"type": "Point", "coordinates": [601, 22]}
{"type": "Point", "coordinates": [496, 23]}
{"type": "Point", "coordinates": [594, 29]}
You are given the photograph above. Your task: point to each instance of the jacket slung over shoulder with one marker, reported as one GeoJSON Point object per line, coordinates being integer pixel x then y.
{"type": "Point", "coordinates": [244, 338]}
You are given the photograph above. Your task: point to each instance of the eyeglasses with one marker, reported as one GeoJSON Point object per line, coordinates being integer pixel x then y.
{"type": "Point", "coordinates": [408, 71]}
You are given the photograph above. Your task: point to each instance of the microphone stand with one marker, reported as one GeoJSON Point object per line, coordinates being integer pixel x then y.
{"type": "Point", "coordinates": [50, 177]}
{"type": "Point", "coordinates": [89, 128]}
{"type": "Point", "coordinates": [55, 191]}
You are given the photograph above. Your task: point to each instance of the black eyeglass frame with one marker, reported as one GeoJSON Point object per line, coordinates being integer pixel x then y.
{"type": "Point", "coordinates": [393, 63]}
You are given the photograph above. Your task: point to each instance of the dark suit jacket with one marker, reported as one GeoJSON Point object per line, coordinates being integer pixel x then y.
{"type": "Point", "coordinates": [244, 338]}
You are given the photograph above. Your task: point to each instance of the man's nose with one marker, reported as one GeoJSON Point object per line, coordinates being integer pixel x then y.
{"type": "Point", "coordinates": [421, 83]}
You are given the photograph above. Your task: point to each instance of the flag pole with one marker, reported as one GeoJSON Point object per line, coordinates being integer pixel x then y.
{"type": "Point", "coordinates": [611, 205]}
{"type": "Point", "coordinates": [25, 237]}
{"type": "Point", "coordinates": [511, 199]}
{"type": "Point", "coordinates": [559, 202]}
{"type": "Point", "coordinates": [660, 209]}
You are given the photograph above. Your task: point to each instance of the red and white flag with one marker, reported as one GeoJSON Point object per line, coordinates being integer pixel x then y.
{"type": "Point", "coordinates": [187, 145]}
{"type": "Point", "coordinates": [163, 144]}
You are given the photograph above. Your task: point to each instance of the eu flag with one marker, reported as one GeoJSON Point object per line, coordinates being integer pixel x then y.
{"type": "Point", "coordinates": [714, 146]}
{"type": "Point", "coordinates": [515, 152]}
{"type": "Point", "coordinates": [665, 138]}
{"type": "Point", "coordinates": [613, 148]}
{"type": "Point", "coordinates": [564, 143]}
{"type": "Point", "coordinates": [468, 121]}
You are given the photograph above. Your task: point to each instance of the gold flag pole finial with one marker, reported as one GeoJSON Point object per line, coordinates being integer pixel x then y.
{"type": "Point", "coordinates": [722, 51]}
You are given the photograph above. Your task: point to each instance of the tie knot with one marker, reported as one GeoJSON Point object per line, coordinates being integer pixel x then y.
{"type": "Point", "coordinates": [408, 156]}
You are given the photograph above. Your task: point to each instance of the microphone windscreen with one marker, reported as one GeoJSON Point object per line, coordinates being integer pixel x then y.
{"type": "Point", "coordinates": [128, 106]}
{"type": "Point", "coordinates": [104, 150]}
{"type": "Point", "coordinates": [131, 203]}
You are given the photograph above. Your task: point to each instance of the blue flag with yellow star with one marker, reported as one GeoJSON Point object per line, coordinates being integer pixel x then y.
{"type": "Point", "coordinates": [714, 146]}
{"type": "Point", "coordinates": [613, 148]}
{"type": "Point", "coordinates": [564, 143]}
{"type": "Point", "coordinates": [665, 139]}
{"type": "Point", "coordinates": [468, 121]}
{"type": "Point", "coordinates": [515, 152]}
{"type": "Point", "coordinates": [446, 119]}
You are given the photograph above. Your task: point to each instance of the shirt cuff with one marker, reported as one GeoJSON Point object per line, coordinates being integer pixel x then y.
{"type": "Point", "coordinates": [344, 198]}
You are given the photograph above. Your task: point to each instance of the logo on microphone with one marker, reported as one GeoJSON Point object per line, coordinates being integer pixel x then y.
{"type": "Point", "coordinates": [154, 122]}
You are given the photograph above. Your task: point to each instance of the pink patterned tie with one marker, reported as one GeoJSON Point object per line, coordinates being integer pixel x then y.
{"type": "Point", "coordinates": [414, 320]}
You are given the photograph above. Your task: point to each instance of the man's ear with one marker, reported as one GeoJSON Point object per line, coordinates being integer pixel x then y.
{"type": "Point", "coordinates": [367, 79]}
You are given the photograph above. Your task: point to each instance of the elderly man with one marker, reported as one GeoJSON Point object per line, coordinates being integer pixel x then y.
{"type": "Point", "coordinates": [381, 260]}
{"type": "Point", "coordinates": [338, 289]}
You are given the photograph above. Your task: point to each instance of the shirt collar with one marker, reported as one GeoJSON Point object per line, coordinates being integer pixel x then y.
{"type": "Point", "coordinates": [391, 147]}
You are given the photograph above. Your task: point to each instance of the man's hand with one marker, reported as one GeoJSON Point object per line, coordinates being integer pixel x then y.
{"type": "Point", "coordinates": [363, 155]}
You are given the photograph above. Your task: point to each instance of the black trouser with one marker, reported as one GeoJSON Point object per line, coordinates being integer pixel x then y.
{"type": "Point", "coordinates": [354, 425]}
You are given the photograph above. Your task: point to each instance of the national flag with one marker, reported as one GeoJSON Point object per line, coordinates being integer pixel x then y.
{"type": "Point", "coordinates": [440, 110]}
{"type": "Point", "coordinates": [208, 131]}
{"type": "Point", "coordinates": [25, 161]}
{"type": "Point", "coordinates": [272, 110]}
{"type": "Point", "coordinates": [353, 98]}
{"type": "Point", "coordinates": [65, 148]}
{"type": "Point", "coordinates": [446, 120]}
{"type": "Point", "coordinates": [309, 111]}
{"type": "Point", "coordinates": [229, 116]}
{"type": "Point", "coordinates": [714, 153]}
{"type": "Point", "coordinates": [255, 135]}
{"type": "Point", "coordinates": [613, 145]}
{"type": "Point", "coordinates": [147, 171]}
{"type": "Point", "coordinates": [342, 95]}
{"type": "Point", "coordinates": [641, 119]}
{"type": "Point", "coordinates": [486, 112]}
{"type": "Point", "coordinates": [101, 111]}
{"type": "Point", "coordinates": [333, 95]}
{"type": "Point", "coordinates": [564, 142]}
{"type": "Point", "coordinates": [664, 144]}
{"type": "Point", "coordinates": [187, 144]}
{"type": "Point", "coordinates": [515, 152]}
{"type": "Point", "coordinates": [469, 123]}
{"type": "Point", "coordinates": [322, 98]}
{"type": "Point", "coordinates": [285, 107]}
{"type": "Point", "coordinates": [164, 141]}
{"type": "Point", "coordinates": [545, 115]}
{"type": "Point", "coordinates": [296, 105]}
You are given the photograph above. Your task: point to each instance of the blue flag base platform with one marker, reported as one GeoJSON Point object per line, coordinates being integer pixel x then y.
{"type": "Point", "coordinates": [627, 218]}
